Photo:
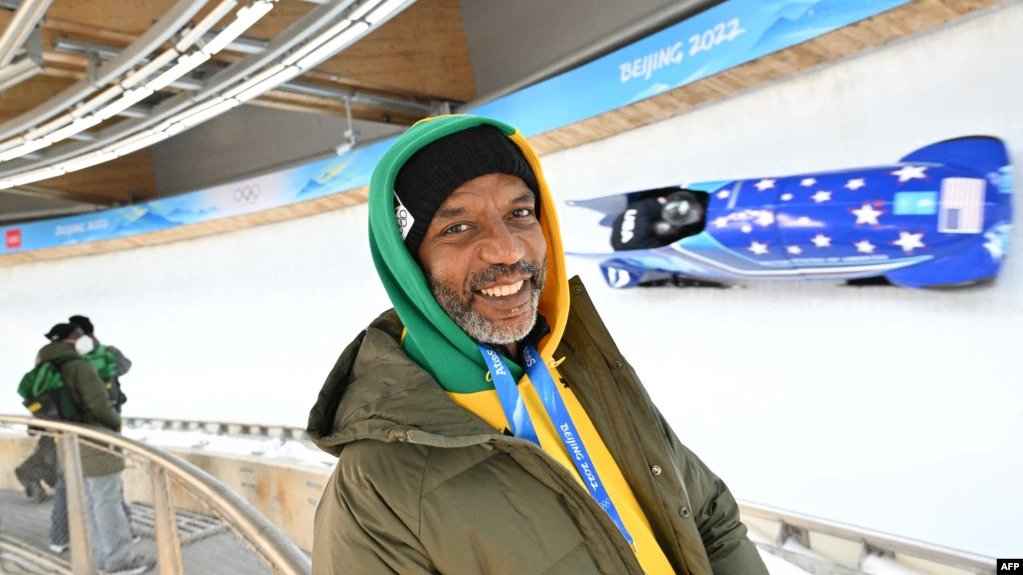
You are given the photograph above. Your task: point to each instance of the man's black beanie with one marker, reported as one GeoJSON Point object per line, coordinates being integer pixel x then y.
{"type": "Point", "coordinates": [60, 331]}
{"type": "Point", "coordinates": [436, 170]}
{"type": "Point", "coordinates": [82, 322]}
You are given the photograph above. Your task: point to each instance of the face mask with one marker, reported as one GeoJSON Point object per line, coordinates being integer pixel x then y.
{"type": "Point", "coordinates": [84, 345]}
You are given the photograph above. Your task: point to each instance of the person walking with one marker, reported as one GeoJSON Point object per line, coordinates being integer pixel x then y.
{"type": "Point", "coordinates": [109, 529]}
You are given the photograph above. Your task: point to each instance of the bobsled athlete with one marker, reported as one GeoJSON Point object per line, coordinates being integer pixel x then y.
{"type": "Point", "coordinates": [488, 423]}
{"type": "Point", "coordinates": [658, 220]}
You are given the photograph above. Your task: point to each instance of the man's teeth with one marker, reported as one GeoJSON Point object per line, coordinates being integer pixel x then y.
{"type": "Point", "coordinates": [500, 291]}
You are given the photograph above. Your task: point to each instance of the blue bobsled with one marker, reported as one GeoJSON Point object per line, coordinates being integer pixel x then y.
{"type": "Point", "coordinates": [940, 217]}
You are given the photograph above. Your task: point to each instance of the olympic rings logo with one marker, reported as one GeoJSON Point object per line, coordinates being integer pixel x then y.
{"type": "Point", "coordinates": [247, 194]}
{"type": "Point", "coordinates": [402, 218]}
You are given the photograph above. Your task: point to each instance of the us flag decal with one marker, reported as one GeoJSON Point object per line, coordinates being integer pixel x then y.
{"type": "Point", "coordinates": [962, 206]}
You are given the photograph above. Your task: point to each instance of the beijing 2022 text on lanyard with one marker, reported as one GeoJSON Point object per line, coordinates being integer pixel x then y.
{"type": "Point", "coordinates": [522, 425]}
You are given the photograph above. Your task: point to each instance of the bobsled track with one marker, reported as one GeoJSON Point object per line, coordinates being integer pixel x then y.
{"type": "Point", "coordinates": [209, 497]}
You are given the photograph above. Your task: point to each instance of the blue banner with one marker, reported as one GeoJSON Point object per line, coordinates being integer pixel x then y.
{"type": "Point", "coordinates": [720, 38]}
{"type": "Point", "coordinates": [306, 182]}
{"type": "Point", "coordinates": [725, 36]}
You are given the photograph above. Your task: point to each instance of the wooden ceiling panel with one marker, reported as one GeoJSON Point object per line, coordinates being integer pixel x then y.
{"type": "Point", "coordinates": [130, 18]}
{"type": "Point", "coordinates": [421, 52]}
{"type": "Point", "coordinates": [117, 181]}
{"type": "Point", "coordinates": [30, 94]}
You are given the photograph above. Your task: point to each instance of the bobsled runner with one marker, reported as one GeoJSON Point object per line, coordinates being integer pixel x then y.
{"type": "Point", "coordinates": [940, 217]}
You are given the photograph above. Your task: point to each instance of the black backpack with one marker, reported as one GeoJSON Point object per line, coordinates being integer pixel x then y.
{"type": "Point", "coordinates": [45, 394]}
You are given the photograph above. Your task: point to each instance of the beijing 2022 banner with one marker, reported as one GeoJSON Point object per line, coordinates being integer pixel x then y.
{"type": "Point", "coordinates": [725, 36]}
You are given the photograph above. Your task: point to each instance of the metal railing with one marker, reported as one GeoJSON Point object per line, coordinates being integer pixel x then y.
{"type": "Point", "coordinates": [838, 548]}
{"type": "Point", "coordinates": [821, 546]}
{"type": "Point", "coordinates": [176, 491]}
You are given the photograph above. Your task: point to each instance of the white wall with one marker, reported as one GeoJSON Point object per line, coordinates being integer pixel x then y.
{"type": "Point", "coordinates": [238, 327]}
{"type": "Point", "coordinates": [894, 409]}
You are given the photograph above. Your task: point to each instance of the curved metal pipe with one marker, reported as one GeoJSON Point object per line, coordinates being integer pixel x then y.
{"type": "Point", "coordinates": [310, 23]}
{"type": "Point", "coordinates": [283, 554]}
{"type": "Point", "coordinates": [157, 34]}
{"type": "Point", "coordinates": [18, 29]}
{"type": "Point", "coordinates": [876, 540]}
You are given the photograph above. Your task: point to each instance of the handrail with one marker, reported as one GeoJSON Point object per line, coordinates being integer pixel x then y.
{"type": "Point", "coordinates": [874, 540]}
{"type": "Point", "coordinates": [282, 553]}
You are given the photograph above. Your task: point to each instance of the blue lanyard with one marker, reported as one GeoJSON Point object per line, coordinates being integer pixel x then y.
{"type": "Point", "coordinates": [522, 425]}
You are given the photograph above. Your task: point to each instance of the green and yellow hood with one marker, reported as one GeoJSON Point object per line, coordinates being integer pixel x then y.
{"type": "Point", "coordinates": [432, 339]}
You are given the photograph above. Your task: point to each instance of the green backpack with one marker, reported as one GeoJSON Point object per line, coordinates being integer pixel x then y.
{"type": "Point", "coordinates": [44, 393]}
{"type": "Point", "coordinates": [104, 361]}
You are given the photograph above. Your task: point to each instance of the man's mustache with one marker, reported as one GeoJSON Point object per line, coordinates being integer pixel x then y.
{"type": "Point", "coordinates": [497, 272]}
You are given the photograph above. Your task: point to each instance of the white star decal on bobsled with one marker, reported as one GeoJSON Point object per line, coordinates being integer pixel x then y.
{"type": "Point", "coordinates": [821, 196]}
{"type": "Point", "coordinates": [786, 197]}
{"type": "Point", "coordinates": [758, 248]}
{"type": "Point", "coordinates": [865, 247]}
{"type": "Point", "coordinates": [856, 183]}
{"type": "Point", "coordinates": [721, 221]}
{"type": "Point", "coordinates": [807, 182]}
{"type": "Point", "coordinates": [764, 185]}
{"type": "Point", "coordinates": [994, 246]}
{"type": "Point", "coordinates": [867, 215]}
{"type": "Point", "coordinates": [907, 173]}
{"type": "Point", "coordinates": [821, 241]}
{"type": "Point", "coordinates": [723, 194]}
{"type": "Point", "coordinates": [909, 242]}
{"type": "Point", "coordinates": [794, 250]}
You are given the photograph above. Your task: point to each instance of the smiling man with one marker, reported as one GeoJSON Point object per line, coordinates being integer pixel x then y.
{"type": "Point", "coordinates": [488, 423]}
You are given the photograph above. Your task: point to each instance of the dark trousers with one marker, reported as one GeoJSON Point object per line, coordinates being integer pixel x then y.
{"type": "Point", "coordinates": [41, 466]}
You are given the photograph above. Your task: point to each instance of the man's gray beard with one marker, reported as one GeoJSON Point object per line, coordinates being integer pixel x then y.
{"type": "Point", "coordinates": [461, 309]}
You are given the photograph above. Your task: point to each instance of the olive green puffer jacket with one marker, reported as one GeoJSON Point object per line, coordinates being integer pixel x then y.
{"type": "Point", "coordinates": [90, 394]}
{"type": "Point", "coordinates": [424, 486]}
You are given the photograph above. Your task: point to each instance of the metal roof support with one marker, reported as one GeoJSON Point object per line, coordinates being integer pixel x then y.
{"type": "Point", "coordinates": [28, 66]}
{"type": "Point", "coordinates": [184, 110]}
{"type": "Point", "coordinates": [302, 29]}
{"type": "Point", "coordinates": [299, 31]}
{"type": "Point", "coordinates": [162, 30]}
{"type": "Point", "coordinates": [24, 22]}
{"type": "Point", "coordinates": [185, 83]}
{"type": "Point", "coordinates": [18, 72]}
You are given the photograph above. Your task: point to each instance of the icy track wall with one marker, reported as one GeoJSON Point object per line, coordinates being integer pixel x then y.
{"type": "Point", "coordinates": [897, 410]}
